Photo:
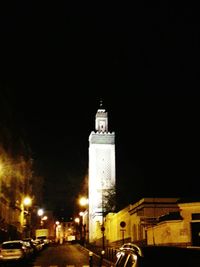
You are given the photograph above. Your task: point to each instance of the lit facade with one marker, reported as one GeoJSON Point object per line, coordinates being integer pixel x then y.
{"type": "Point", "coordinates": [15, 176]}
{"type": "Point", "coordinates": [183, 231]}
{"type": "Point", "coordinates": [139, 218]}
{"type": "Point", "coordinates": [101, 171]}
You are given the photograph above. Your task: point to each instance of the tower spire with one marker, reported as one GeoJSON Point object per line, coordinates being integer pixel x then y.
{"type": "Point", "coordinates": [101, 122]}
{"type": "Point", "coordinates": [101, 103]}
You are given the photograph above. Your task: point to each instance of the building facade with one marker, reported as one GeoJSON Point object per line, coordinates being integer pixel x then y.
{"type": "Point", "coordinates": [16, 184]}
{"type": "Point", "coordinates": [154, 221]}
{"type": "Point", "coordinates": [177, 229]}
{"type": "Point", "coordinates": [101, 172]}
{"type": "Point", "coordinates": [137, 218]}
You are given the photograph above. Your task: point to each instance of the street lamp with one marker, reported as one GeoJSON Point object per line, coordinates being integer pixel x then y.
{"type": "Point", "coordinates": [40, 212]}
{"type": "Point", "coordinates": [77, 221]}
{"type": "Point", "coordinates": [81, 226]}
{"type": "Point", "coordinates": [83, 201]}
{"type": "Point", "coordinates": [27, 202]}
{"type": "Point", "coordinates": [57, 230]}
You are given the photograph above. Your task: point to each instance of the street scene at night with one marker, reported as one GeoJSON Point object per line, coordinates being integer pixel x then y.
{"type": "Point", "coordinates": [99, 136]}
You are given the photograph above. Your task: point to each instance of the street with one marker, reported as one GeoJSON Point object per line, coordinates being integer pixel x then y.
{"type": "Point", "coordinates": [74, 255]}
{"type": "Point", "coordinates": [60, 256]}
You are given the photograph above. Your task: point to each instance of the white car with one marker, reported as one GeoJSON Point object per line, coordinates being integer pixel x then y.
{"type": "Point", "coordinates": [13, 250]}
{"type": "Point", "coordinates": [131, 246]}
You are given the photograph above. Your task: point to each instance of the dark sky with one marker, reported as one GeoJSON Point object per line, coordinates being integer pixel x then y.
{"type": "Point", "coordinates": [143, 61]}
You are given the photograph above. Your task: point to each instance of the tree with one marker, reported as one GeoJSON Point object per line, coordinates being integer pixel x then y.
{"type": "Point", "coordinates": [108, 201]}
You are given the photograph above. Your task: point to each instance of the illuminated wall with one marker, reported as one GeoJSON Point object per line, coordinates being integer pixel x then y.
{"type": "Point", "coordinates": [101, 170]}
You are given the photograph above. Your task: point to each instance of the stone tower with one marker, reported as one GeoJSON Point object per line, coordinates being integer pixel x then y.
{"type": "Point", "coordinates": [101, 171]}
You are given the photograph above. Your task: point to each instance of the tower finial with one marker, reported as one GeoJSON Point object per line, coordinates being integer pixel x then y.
{"type": "Point", "coordinates": [101, 103]}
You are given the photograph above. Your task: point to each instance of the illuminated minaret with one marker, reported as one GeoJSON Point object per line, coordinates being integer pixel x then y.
{"type": "Point", "coordinates": [101, 170]}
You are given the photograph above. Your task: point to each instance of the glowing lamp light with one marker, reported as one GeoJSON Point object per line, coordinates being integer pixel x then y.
{"type": "Point", "coordinates": [27, 201]}
{"type": "Point", "coordinates": [77, 220]}
{"type": "Point", "coordinates": [40, 212]}
{"type": "Point", "coordinates": [83, 201]}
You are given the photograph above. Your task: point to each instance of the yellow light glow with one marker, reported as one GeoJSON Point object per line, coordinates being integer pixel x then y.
{"type": "Point", "coordinates": [40, 212]}
{"type": "Point", "coordinates": [27, 201]}
{"type": "Point", "coordinates": [83, 201]}
{"type": "Point", "coordinates": [1, 168]}
{"type": "Point", "coordinates": [77, 220]}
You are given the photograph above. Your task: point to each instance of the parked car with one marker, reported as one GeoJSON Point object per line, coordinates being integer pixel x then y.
{"type": "Point", "coordinates": [132, 246]}
{"type": "Point", "coordinates": [157, 256]}
{"type": "Point", "coordinates": [128, 255]}
{"type": "Point", "coordinates": [31, 244]}
{"type": "Point", "coordinates": [14, 250]}
{"type": "Point", "coordinates": [39, 244]}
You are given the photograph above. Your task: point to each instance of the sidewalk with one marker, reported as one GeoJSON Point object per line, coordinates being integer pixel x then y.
{"type": "Point", "coordinates": [105, 262]}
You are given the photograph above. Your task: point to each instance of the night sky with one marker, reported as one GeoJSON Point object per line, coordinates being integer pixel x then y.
{"type": "Point", "coordinates": [58, 61]}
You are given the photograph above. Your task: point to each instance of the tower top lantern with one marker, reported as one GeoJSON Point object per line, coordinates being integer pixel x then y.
{"type": "Point", "coordinates": [101, 122]}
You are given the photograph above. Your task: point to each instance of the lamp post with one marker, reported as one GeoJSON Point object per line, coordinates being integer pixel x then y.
{"type": "Point", "coordinates": [82, 237]}
{"type": "Point", "coordinates": [77, 221]}
{"type": "Point", "coordinates": [83, 201]}
{"type": "Point", "coordinates": [27, 202]}
{"type": "Point", "coordinates": [40, 213]}
{"type": "Point", "coordinates": [57, 231]}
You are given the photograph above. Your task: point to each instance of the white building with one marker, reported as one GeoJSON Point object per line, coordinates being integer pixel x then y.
{"type": "Point", "coordinates": [101, 171]}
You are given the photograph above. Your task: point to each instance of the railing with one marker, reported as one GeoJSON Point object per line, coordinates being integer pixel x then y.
{"type": "Point", "coordinates": [110, 252]}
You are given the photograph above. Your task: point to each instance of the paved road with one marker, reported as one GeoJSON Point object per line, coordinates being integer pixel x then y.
{"type": "Point", "coordinates": [77, 256]}
{"type": "Point", "coordinates": [65, 255]}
